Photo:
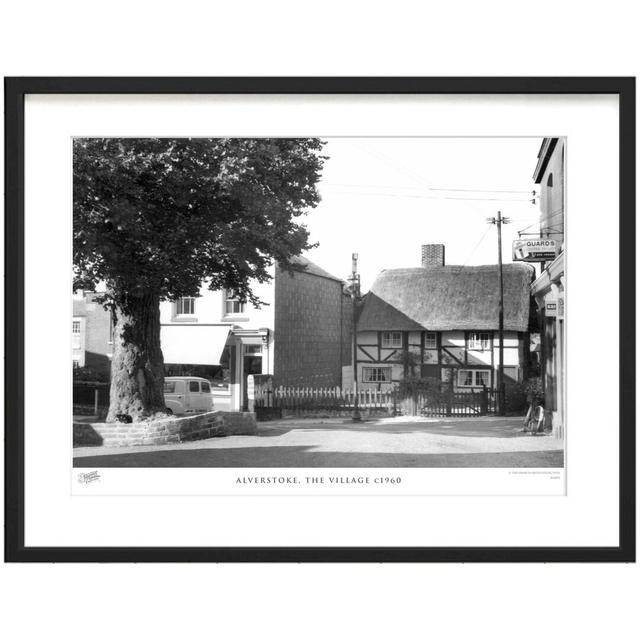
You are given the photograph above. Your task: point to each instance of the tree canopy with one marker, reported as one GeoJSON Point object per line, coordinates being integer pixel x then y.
{"type": "Point", "coordinates": [156, 218]}
{"type": "Point", "coordinates": [165, 215]}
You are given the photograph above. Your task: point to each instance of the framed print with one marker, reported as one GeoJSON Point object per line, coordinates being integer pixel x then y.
{"type": "Point", "coordinates": [320, 319]}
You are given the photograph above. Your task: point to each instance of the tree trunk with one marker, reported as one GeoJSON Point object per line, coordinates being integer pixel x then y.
{"type": "Point", "coordinates": [137, 367]}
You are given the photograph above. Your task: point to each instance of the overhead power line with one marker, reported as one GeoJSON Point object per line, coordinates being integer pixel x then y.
{"type": "Point", "coordinates": [530, 193]}
{"type": "Point", "coordinates": [425, 197]}
{"type": "Point", "coordinates": [557, 212]}
{"type": "Point", "coordinates": [380, 186]}
{"type": "Point", "coordinates": [464, 264]}
{"type": "Point", "coordinates": [405, 170]}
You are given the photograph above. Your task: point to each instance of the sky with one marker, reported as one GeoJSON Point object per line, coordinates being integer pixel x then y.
{"type": "Point", "coordinates": [383, 198]}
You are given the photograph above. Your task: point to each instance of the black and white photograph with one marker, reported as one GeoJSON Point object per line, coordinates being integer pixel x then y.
{"type": "Point", "coordinates": [334, 302]}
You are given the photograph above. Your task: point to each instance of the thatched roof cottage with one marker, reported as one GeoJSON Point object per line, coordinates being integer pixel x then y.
{"type": "Point", "coordinates": [442, 322]}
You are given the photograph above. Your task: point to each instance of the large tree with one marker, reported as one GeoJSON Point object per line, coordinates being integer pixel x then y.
{"type": "Point", "coordinates": [153, 219]}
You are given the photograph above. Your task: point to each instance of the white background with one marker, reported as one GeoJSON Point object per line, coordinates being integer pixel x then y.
{"type": "Point", "coordinates": [189, 38]}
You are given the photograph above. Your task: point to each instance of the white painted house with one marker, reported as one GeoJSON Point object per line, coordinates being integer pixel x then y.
{"type": "Point", "coordinates": [218, 337]}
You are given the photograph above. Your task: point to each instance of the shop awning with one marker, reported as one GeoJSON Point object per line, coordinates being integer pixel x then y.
{"type": "Point", "coordinates": [193, 343]}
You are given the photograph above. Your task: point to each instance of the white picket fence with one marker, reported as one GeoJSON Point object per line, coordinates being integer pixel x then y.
{"type": "Point", "coordinates": [324, 398]}
{"type": "Point", "coordinates": [336, 399]}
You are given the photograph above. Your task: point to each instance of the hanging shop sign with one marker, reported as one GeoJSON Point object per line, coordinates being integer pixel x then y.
{"type": "Point", "coordinates": [554, 308]}
{"type": "Point", "coordinates": [534, 250]}
{"type": "Point", "coordinates": [551, 308]}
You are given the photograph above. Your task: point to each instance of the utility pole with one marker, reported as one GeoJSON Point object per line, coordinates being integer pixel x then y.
{"type": "Point", "coordinates": [499, 221]}
{"type": "Point", "coordinates": [355, 294]}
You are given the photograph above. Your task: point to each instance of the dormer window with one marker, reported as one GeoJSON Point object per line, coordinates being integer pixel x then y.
{"type": "Point", "coordinates": [430, 340]}
{"type": "Point", "coordinates": [233, 306]}
{"type": "Point", "coordinates": [479, 341]}
{"type": "Point", "coordinates": [392, 339]}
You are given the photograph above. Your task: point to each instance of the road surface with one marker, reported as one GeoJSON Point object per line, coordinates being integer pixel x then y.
{"type": "Point", "coordinates": [390, 442]}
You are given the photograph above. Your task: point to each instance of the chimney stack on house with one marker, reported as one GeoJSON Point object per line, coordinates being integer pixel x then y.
{"type": "Point", "coordinates": [432, 255]}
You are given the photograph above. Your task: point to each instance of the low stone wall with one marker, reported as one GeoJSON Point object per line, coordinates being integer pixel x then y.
{"type": "Point", "coordinates": [167, 430]}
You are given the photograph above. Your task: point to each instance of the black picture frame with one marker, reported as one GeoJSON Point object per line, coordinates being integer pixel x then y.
{"type": "Point", "coordinates": [15, 91]}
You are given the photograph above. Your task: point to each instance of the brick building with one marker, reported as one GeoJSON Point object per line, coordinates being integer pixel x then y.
{"type": "Point", "coordinates": [312, 327]}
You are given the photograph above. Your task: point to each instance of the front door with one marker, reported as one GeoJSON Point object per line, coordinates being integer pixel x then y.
{"type": "Point", "coordinates": [251, 365]}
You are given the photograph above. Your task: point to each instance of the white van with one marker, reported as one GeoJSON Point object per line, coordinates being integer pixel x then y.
{"type": "Point", "coordinates": [187, 394]}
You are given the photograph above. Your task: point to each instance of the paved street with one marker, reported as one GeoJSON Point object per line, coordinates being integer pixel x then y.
{"type": "Point", "coordinates": [390, 442]}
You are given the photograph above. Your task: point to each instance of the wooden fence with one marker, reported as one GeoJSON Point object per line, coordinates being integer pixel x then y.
{"type": "Point", "coordinates": [458, 404]}
{"type": "Point", "coordinates": [335, 400]}
{"type": "Point", "coordinates": [300, 400]}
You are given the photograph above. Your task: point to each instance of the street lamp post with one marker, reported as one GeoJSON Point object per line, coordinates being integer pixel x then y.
{"type": "Point", "coordinates": [355, 294]}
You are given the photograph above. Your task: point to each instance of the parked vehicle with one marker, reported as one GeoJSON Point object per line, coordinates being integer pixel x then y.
{"type": "Point", "coordinates": [187, 394]}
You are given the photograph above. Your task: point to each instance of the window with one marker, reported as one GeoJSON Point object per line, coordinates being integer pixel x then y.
{"type": "Point", "coordinates": [194, 386]}
{"type": "Point", "coordinates": [75, 334]}
{"type": "Point", "coordinates": [76, 363]}
{"type": "Point", "coordinates": [430, 340]}
{"type": "Point", "coordinates": [465, 378]}
{"type": "Point", "coordinates": [392, 338]}
{"type": "Point", "coordinates": [185, 306]}
{"type": "Point", "coordinates": [232, 303]}
{"type": "Point", "coordinates": [473, 378]}
{"type": "Point", "coordinates": [173, 386]}
{"type": "Point", "coordinates": [222, 378]}
{"type": "Point", "coordinates": [479, 340]}
{"type": "Point", "coordinates": [376, 374]}
{"type": "Point", "coordinates": [205, 387]}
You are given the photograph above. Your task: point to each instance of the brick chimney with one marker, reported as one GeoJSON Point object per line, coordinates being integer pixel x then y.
{"type": "Point", "coordinates": [432, 255]}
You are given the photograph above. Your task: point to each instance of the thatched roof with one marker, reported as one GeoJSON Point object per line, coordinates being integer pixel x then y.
{"type": "Point", "coordinates": [447, 298]}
